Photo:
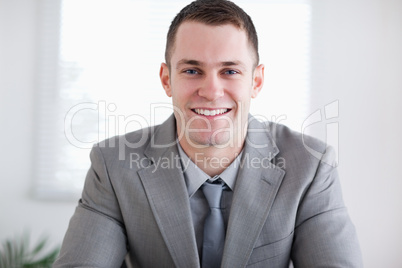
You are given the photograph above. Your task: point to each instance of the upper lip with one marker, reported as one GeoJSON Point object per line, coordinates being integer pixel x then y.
{"type": "Point", "coordinates": [209, 108]}
{"type": "Point", "coordinates": [209, 111]}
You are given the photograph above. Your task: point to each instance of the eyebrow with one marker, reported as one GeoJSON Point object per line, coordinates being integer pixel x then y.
{"type": "Point", "coordinates": [198, 63]}
{"type": "Point", "coordinates": [189, 62]}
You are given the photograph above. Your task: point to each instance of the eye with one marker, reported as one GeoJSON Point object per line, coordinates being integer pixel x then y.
{"type": "Point", "coordinates": [231, 72]}
{"type": "Point", "coordinates": [191, 71]}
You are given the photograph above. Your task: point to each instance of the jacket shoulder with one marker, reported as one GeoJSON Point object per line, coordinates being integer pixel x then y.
{"type": "Point", "coordinates": [123, 146]}
{"type": "Point", "coordinates": [295, 143]}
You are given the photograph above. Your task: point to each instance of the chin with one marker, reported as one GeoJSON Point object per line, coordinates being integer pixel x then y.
{"type": "Point", "coordinates": [202, 140]}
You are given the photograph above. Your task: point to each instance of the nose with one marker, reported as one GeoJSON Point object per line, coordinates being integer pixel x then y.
{"type": "Point", "coordinates": [211, 88]}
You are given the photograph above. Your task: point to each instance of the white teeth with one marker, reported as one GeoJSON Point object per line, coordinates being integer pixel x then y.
{"type": "Point", "coordinates": [210, 112]}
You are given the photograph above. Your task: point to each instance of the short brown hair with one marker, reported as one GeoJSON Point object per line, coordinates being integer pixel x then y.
{"type": "Point", "coordinates": [215, 13]}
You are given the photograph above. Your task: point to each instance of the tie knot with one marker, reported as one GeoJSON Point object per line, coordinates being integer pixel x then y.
{"type": "Point", "coordinates": [213, 193]}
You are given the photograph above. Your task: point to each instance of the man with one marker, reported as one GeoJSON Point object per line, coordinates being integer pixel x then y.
{"type": "Point", "coordinates": [148, 194]}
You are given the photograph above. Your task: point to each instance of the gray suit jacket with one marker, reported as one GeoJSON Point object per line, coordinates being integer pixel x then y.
{"type": "Point", "coordinates": [287, 204]}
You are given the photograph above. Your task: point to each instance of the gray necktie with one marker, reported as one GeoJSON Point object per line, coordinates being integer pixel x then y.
{"type": "Point", "coordinates": [214, 228]}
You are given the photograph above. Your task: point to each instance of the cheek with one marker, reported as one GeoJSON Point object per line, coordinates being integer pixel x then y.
{"type": "Point", "coordinates": [240, 91]}
{"type": "Point", "coordinates": [183, 92]}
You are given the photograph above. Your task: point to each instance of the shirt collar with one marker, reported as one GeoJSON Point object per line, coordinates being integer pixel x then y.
{"type": "Point", "coordinates": [195, 177]}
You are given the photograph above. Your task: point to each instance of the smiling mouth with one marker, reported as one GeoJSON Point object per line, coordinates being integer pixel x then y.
{"type": "Point", "coordinates": [210, 112]}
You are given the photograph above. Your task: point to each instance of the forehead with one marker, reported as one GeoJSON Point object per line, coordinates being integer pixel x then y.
{"type": "Point", "coordinates": [195, 40]}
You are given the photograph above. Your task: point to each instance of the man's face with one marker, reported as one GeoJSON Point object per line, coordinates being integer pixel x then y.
{"type": "Point", "coordinates": [211, 81]}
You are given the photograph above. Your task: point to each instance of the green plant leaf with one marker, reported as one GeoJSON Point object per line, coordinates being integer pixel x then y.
{"type": "Point", "coordinates": [45, 261]}
{"type": "Point", "coordinates": [16, 253]}
{"type": "Point", "coordinates": [39, 247]}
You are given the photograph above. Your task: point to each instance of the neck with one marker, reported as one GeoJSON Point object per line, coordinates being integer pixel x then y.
{"type": "Point", "coordinates": [211, 159]}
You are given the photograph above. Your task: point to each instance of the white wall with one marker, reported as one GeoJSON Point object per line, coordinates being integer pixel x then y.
{"type": "Point", "coordinates": [18, 211]}
{"type": "Point", "coordinates": [357, 59]}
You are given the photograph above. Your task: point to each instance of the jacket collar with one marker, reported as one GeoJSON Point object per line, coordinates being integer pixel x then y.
{"type": "Point", "coordinates": [257, 184]}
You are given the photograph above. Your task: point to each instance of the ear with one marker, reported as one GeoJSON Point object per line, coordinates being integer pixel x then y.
{"type": "Point", "coordinates": [165, 79]}
{"type": "Point", "coordinates": [258, 80]}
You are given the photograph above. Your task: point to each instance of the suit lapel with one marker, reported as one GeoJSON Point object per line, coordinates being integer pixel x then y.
{"type": "Point", "coordinates": [256, 187]}
{"type": "Point", "coordinates": [168, 197]}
